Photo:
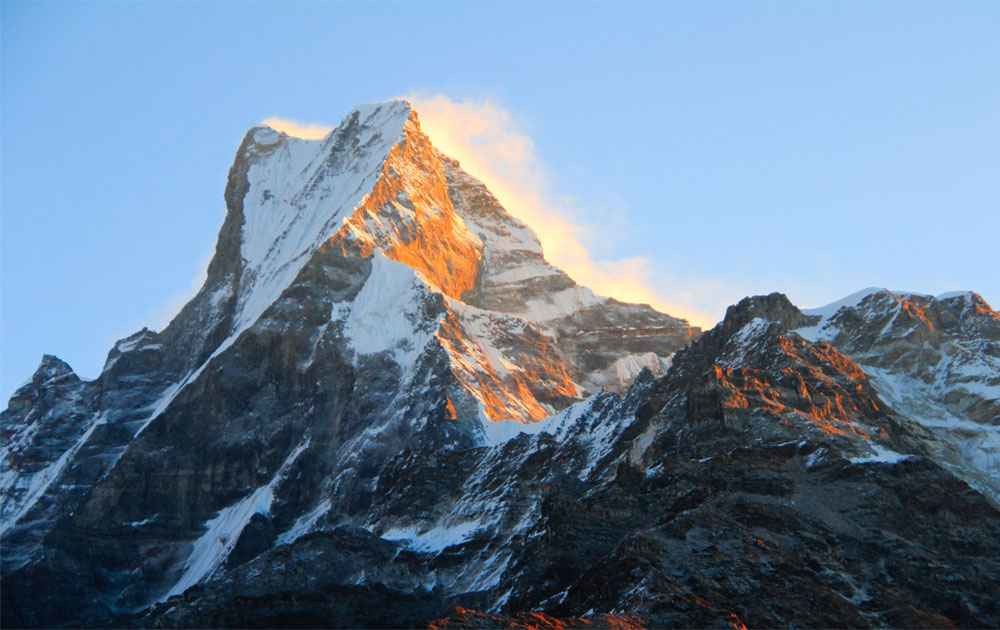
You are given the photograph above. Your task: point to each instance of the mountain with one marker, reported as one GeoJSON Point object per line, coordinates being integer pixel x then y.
{"type": "Point", "coordinates": [366, 296]}
{"type": "Point", "coordinates": [936, 359]}
{"type": "Point", "coordinates": [384, 404]}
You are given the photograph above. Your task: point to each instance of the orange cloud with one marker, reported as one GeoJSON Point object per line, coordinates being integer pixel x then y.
{"type": "Point", "coordinates": [306, 131]}
{"type": "Point", "coordinates": [487, 141]}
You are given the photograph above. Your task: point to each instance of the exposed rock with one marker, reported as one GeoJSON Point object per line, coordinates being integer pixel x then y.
{"type": "Point", "coordinates": [934, 359]}
{"type": "Point", "coordinates": [466, 619]}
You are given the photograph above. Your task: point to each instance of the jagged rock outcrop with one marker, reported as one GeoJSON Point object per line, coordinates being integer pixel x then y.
{"type": "Point", "coordinates": [950, 343]}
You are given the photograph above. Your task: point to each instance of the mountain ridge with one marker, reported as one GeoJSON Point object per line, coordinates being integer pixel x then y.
{"type": "Point", "coordinates": [383, 402]}
{"type": "Point", "coordinates": [322, 288]}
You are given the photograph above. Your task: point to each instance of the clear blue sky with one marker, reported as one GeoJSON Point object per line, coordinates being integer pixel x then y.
{"type": "Point", "coordinates": [814, 148]}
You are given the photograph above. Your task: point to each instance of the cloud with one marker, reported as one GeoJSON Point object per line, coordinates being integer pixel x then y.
{"type": "Point", "coordinates": [486, 139]}
{"type": "Point", "coordinates": [306, 131]}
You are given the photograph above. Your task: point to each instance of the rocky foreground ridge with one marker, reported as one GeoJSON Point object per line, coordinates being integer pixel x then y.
{"type": "Point", "coordinates": [384, 403]}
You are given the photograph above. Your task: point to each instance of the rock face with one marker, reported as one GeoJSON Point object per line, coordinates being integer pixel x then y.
{"type": "Point", "coordinates": [385, 408]}
{"type": "Point", "coordinates": [934, 359]}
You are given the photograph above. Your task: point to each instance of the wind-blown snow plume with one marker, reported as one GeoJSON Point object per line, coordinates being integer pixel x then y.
{"type": "Point", "coordinates": [306, 131]}
{"type": "Point", "coordinates": [489, 144]}
{"type": "Point", "coordinates": [159, 319]}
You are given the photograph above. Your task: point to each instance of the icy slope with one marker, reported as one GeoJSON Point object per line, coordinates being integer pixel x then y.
{"type": "Point", "coordinates": [935, 359]}
{"type": "Point", "coordinates": [300, 191]}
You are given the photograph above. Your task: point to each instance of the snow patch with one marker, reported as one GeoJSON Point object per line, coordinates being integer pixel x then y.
{"type": "Point", "coordinates": [880, 455]}
{"type": "Point", "coordinates": [953, 294]}
{"type": "Point", "coordinates": [816, 457]}
{"type": "Point", "coordinates": [520, 273]}
{"type": "Point", "coordinates": [850, 301]}
{"type": "Point", "coordinates": [386, 315]}
{"type": "Point", "coordinates": [620, 374]}
{"type": "Point", "coordinates": [824, 330]}
{"type": "Point", "coordinates": [560, 304]}
{"type": "Point", "coordinates": [222, 532]}
{"type": "Point", "coordinates": [36, 485]}
{"type": "Point", "coordinates": [742, 340]}
{"type": "Point", "coordinates": [304, 524]}
{"type": "Point", "coordinates": [496, 433]}
{"type": "Point", "coordinates": [266, 136]}
{"type": "Point", "coordinates": [436, 539]}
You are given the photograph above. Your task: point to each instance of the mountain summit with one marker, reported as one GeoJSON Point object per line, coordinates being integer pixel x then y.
{"type": "Point", "coordinates": [366, 295]}
{"type": "Point", "coordinates": [384, 403]}
{"type": "Point", "coordinates": [376, 190]}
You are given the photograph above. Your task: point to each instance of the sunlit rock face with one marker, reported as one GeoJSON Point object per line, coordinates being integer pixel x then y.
{"type": "Point", "coordinates": [934, 359]}
{"type": "Point", "coordinates": [384, 403]}
{"type": "Point", "coordinates": [409, 216]}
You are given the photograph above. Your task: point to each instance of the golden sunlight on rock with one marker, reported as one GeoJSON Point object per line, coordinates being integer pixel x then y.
{"type": "Point", "coordinates": [505, 397]}
{"type": "Point", "coordinates": [487, 142]}
{"type": "Point", "coordinates": [410, 216]}
{"type": "Point", "coordinates": [818, 384]}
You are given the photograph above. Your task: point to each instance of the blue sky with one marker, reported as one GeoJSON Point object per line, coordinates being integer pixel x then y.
{"type": "Point", "coordinates": [812, 148]}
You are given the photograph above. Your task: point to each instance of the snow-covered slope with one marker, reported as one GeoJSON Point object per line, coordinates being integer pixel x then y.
{"type": "Point", "coordinates": [299, 193]}
{"type": "Point", "coordinates": [935, 359]}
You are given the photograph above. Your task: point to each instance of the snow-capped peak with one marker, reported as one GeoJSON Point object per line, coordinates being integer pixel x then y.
{"type": "Point", "coordinates": [849, 301]}
{"type": "Point", "coordinates": [299, 192]}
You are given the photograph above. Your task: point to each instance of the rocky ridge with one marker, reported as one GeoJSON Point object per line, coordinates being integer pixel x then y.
{"type": "Point", "coordinates": [934, 359]}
